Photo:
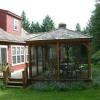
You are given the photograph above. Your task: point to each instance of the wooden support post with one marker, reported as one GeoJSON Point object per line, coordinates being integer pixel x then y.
{"type": "Point", "coordinates": [89, 62]}
{"type": "Point", "coordinates": [42, 59]}
{"type": "Point", "coordinates": [58, 61]}
{"type": "Point", "coordinates": [30, 61]}
{"type": "Point", "coordinates": [37, 69]}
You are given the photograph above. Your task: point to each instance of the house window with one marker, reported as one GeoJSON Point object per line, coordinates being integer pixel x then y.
{"type": "Point", "coordinates": [17, 54]}
{"type": "Point", "coordinates": [3, 54]}
{"type": "Point", "coordinates": [16, 24]}
{"type": "Point", "coordinates": [27, 55]}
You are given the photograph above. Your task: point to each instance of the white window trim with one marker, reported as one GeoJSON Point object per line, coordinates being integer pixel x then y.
{"type": "Point", "coordinates": [26, 54]}
{"type": "Point", "coordinates": [3, 46]}
{"type": "Point", "coordinates": [15, 20]}
{"type": "Point", "coordinates": [16, 58]}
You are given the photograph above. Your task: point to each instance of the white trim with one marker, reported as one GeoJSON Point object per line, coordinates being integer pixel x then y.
{"type": "Point", "coordinates": [16, 59]}
{"type": "Point", "coordinates": [16, 24]}
{"type": "Point", "coordinates": [26, 54]}
{"type": "Point", "coordinates": [3, 46]}
{"type": "Point", "coordinates": [6, 47]}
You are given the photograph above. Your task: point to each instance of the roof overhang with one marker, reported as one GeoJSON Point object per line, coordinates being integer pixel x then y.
{"type": "Point", "coordinates": [61, 41]}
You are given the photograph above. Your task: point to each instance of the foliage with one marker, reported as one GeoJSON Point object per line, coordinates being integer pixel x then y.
{"type": "Point", "coordinates": [86, 30]}
{"type": "Point", "coordinates": [94, 27]}
{"type": "Point", "coordinates": [96, 75]}
{"type": "Point", "coordinates": [32, 27]}
{"type": "Point", "coordinates": [96, 57]}
{"type": "Point", "coordinates": [78, 27]}
{"type": "Point", "coordinates": [2, 85]}
{"type": "Point", "coordinates": [25, 22]}
{"type": "Point", "coordinates": [47, 24]}
{"type": "Point", "coordinates": [35, 27]}
{"type": "Point", "coordinates": [61, 86]}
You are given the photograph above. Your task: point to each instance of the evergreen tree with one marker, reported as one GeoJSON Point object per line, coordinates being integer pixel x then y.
{"type": "Point", "coordinates": [25, 22]}
{"type": "Point", "coordinates": [27, 25]}
{"type": "Point", "coordinates": [78, 28]}
{"type": "Point", "coordinates": [32, 27]}
{"type": "Point", "coordinates": [23, 19]}
{"type": "Point", "coordinates": [94, 27]}
{"type": "Point", "coordinates": [37, 27]}
{"type": "Point", "coordinates": [47, 24]}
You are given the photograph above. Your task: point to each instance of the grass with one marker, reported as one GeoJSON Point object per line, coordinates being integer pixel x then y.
{"type": "Point", "coordinates": [27, 94]}
{"type": "Point", "coordinates": [92, 93]}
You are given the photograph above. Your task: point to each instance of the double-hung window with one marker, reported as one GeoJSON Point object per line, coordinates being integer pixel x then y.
{"type": "Point", "coordinates": [16, 24]}
{"type": "Point", "coordinates": [17, 54]}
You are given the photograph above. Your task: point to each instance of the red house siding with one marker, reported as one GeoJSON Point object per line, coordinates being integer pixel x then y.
{"type": "Point", "coordinates": [7, 23]}
{"type": "Point", "coordinates": [10, 25]}
{"type": "Point", "coordinates": [2, 20]}
{"type": "Point", "coordinates": [14, 67]}
{"type": "Point", "coordinates": [18, 67]}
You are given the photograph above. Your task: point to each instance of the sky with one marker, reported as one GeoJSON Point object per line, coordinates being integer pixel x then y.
{"type": "Point", "coordinates": [70, 12]}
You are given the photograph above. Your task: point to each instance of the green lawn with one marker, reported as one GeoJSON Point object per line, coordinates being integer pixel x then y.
{"type": "Point", "coordinates": [92, 93]}
{"type": "Point", "coordinates": [27, 94]}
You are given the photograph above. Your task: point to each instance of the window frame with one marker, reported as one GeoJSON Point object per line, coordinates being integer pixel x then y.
{"type": "Point", "coordinates": [16, 55]}
{"type": "Point", "coordinates": [27, 55]}
{"type": "Point", "coordinates": [6, 47]}
{"type": "Point", "coordinates": [15, 24]}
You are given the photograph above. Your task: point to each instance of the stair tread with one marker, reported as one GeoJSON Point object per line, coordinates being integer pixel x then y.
{"type": "Point", "coordinates": [16, 82]}
{"type": "Point", "coordinates": [14, 86]}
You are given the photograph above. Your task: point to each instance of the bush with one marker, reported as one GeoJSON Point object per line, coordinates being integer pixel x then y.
{"type": "Point", "coordinates": [62, 86]}
{"type": "Point", "coordinates": [96, 75]}
{"type": "Point", "coordinates": [2, 86]}
{"type": "Point", "coordinates": [96, 57]}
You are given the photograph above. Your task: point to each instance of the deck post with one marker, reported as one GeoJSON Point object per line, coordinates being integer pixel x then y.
{"type": "Point", "coordinates": [30, 62]}
{"type": "Point", "coordinates": [42, 59]}
{"type": "Point", "coordinates": [58, 61]}
{"type": "Point", "coordinates": [89, 62]}
{"type": "Point", "coordinates": [37, 67]}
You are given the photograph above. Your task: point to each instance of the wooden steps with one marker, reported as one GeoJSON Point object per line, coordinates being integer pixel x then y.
{"type": "Point", "coordinates": [15, 83]}
{"type": "Point", "coordinates": [10, 82]}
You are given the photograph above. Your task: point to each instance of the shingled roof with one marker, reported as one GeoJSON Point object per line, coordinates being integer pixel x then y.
{"type": "Point", "coordinates": [6, 37]}
{"type": "Point", "coordinates": [59, 34]}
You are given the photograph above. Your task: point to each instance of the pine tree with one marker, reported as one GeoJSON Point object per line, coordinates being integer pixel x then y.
{"type": "Point", "coordinates": [78, 28]}
{"type": "Point", "coordinates": [37, 27]}
{"type": "Point", "coordinates": [47, 24]}
{"type": "Point", "coordinates": [94, 27]}
{"type": "Point", "coordinates": [32, 27]}
{"type": "Point", "coordinates": [25, 22]}
{"type": "Point", "coordinates": [23, 19]}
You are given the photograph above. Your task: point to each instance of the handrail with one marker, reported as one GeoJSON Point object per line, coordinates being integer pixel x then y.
{"type": "Point", "coordinates": [25, 76]}
{"type": "Point", "coordinates": [6, 73]}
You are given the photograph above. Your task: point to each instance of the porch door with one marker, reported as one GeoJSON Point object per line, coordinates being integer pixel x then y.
{"type": "Point", "coordinates": [3, 55]}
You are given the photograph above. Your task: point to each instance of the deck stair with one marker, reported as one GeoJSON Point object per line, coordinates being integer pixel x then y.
{"type": "Point", "coordinates": [14, 82]}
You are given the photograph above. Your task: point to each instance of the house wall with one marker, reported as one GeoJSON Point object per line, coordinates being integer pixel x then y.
{"type": "Point", "coordinates": [3, 20]}
{"type": "Point", "coordinates": [7, 23]}
{"type": "Point", "coordinates": [10, 25]}
{"type": "Point", "coordinates": [16, 66]}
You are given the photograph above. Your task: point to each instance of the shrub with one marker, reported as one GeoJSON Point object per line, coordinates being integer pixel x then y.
{"type": "Point", "coordinates": [96, 57]}
{"type": "Point", "coordinates": [2, 86]}
{"type": "Point", "coordinates": [57, 85]}
{"type": "Point", "coordinates": [96, 76]}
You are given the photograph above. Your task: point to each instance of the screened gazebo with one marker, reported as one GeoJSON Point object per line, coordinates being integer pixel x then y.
{"type": "Point", "coordinates": [61, 54]}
